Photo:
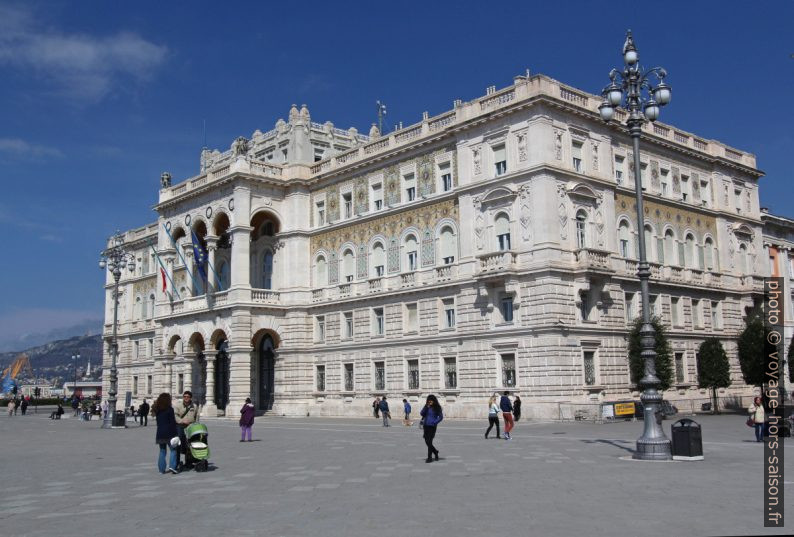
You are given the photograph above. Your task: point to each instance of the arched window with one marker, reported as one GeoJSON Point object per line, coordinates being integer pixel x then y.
{"type": "Point", "coordinates": [267, 270]}
{"type": "Point", "coordinates": [743, 259]}
{"type": "Point", "coordinates": [448, 247]}
{"type": "Point", "coordinates": [378, 261]}
{"type": "Point", "coordinates": [689, 251]}
{"type": "Point", "coordinates": [411, 250]}
{"type": "Point", "coordinates": [581, 229]}
{"type": "Point", "coordinates": [268, 229]}
{"type": "Point", "coordinates": [320, 272]}
{"type": "Point", "coordinates": [669, 246]}
{"type": "Point", "coordinates": [502, 228]}
{"type": "Point", "coordinates": [151, 306]}
{"type": "Point", "coordinates": [648, 242]}
{"type": "Point", "coordinates": [624, 239]}
{"type": "Point", "coordinates": [348, 265]}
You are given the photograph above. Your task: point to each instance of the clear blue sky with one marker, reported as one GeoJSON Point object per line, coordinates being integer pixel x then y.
{"type": "Point", "coordinates": [98, 98]}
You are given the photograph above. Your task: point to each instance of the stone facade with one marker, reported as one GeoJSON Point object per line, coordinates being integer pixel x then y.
{"type": "Point", "coordinates": [490, 247]}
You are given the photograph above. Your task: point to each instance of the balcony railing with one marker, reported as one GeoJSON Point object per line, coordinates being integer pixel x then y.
{"type": "Point", "coordinates": [408, 279]}
{"type": "Point", "coordinates": [497, 261]}
{"type": "Point", "coordinates": [318, 295]}
{"type": "Point", "coordinates": [345, 290]}
{"type": "Point", "coordinates": [593, 258]}
{"type": "Point", "coordinates": [265, 296]}
{"type": "Point", "coordinates": [376, 285]}
{"type": "Point", "coordinates": [444, 273]}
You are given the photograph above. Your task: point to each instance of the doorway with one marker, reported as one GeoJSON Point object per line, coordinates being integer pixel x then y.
{"type": "Point", "coordinates": [222, 376]}
{"type": "Point", "coordinates": [266, 373]}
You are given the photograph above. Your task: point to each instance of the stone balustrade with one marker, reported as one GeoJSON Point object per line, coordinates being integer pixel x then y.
{"type": "Point", "coordinates": [375, 285]}
{"type": "Point", "coordinates": [265, 296]}
{"type": "Point", "coordinates": [497, 261]}
{"type": "Point", "coordinates": [593, 258]}
{"type": "Point", "coordinates": [408, 279]}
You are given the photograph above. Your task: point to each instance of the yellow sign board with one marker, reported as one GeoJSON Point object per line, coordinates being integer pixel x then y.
{"type": "Point", "coordinates": [624, 409]}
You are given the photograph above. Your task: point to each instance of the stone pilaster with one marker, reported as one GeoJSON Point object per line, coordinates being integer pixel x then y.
{"type": "Point", "coordinates": [210, 409]}
{"type": "Point", "coordinates": [212, 278]}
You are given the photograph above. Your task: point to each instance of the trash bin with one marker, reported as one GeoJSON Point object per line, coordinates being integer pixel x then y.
{"type": "Point", "coordinates": [119, 419]}
{"type": "Point", "coordinates": [687, 440]}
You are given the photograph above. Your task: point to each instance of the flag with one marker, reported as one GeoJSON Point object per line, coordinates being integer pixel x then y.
{"type": "Point", "coordinates": [165, 281]}
{"type": "Point", "coordinates": [200, 255]}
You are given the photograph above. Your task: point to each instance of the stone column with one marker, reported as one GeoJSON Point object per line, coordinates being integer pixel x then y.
{"type": "Point", "coordinates": [212, 269]}
{"type": "Point", "coordinates": [239, 378]}
{"type": "Point", "coordinates": [240, 231]}
{"type": "Point", "coordinates": [168, 380]}
{"type": "Point", "coordinates": [189, 362]}
{"type": "Point", "coordinates": [210, 409]}
{"type": "Point", "coordinates": [187, 253]}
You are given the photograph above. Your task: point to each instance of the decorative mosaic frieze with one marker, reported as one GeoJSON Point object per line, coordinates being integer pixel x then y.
{"type": "Point", "coordinates": [332, 203]}
{"type": "Point", "coordinates": [660, 215]}
{"type": "Point", "coordinates": [361, 195]}
{"type": "Point", "coordinates": [393, 260]}
{"type": "Point", "coordinates": [655, 183]}
{"type": "Point", "coordinates": [676, 180]}
{"type": "Point", "coordinates": [392, 186]}
{"type": "Point", "coordinates": [428, 252]}
{"type": "Point", "coordinates": [333, 269]}
{"type": "Point", "coordinates": [426, 171]}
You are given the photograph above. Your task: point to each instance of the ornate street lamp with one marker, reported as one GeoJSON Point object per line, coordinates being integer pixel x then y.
{"type": "Point", "coordinates": [75, 359]}
{"type": "Point", "coordinates": [632, 88]}
{"type": "Point", "coordinates": [115, 259]}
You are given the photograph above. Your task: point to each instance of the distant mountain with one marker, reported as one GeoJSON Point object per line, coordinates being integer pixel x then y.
{"type": "Point", "coordinates": [26, 341]}
{"type": "Point", "coordinates": [54, 359]}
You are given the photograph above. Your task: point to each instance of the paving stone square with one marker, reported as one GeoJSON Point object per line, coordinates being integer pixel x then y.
{"type": "Point", "coordinates": [71, 478]}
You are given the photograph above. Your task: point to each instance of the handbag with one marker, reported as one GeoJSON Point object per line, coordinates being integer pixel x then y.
{"type": "Point", "coordinates": [750, 422]}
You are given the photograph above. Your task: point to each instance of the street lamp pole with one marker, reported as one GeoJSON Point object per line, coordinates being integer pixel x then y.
{"type": "Point", "coordinates": [115, 258]}
{"type": "Point", "coordinates": [631, 87]}
{"type": "Point", "coordinates": [75, 358]}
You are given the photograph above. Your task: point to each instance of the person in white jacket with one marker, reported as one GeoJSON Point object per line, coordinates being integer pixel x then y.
{"type": "Point", "coordinates": [756, 411]}
{"type": "Point", "coordinates": [493, 415]}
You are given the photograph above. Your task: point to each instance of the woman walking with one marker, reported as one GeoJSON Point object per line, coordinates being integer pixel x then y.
{"type": "Point", "coordinates": [166, 432]}
{"type": "Point", "coordinates": [493, 416]}
{"type": "Point", "coordinates": [432, 414]}
{"type": "Point", "coordinates": [756, 411]}
{"type": "Point", "coordinates": [246, 419]}
{"type": "Point", "coordinates": [516, 408]}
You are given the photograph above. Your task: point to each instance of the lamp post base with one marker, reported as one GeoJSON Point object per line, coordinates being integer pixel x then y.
{"type": "Point", "coordinates": [653, 450]}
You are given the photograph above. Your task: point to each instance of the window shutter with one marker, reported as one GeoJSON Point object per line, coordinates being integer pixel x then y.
{"type": "Point", "coordinates": [660, 249]}
{"type": "Point", "coordinates": [701, 258]}
{"type": "Point", "coordinates": [502, 225]}
{"type": "Point", "coordinates": [681, 256]}
{"type": "Point", "coordinates": [499, 154]}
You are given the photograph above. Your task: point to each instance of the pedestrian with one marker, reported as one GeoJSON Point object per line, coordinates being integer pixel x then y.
{"type": "Point", "coordinates": [133, 414]}
{"type": "Point", "coordinates": [756, 411]}
{"type": "Point", "coordinates": [185, 412]}
{"type": "Point", "coordinates": [24, 406]}
{"type": "Point", "coordinates": [407, 410]}
{"type": "Point", "coordinates": [246, 419]}
{"type": "Point", "coordinates": [507, 414]}
{"type": "Point", "coordinates": [143, 414]}
{"type": "Point", "coordinates": [56, 414]}
{"type": "Point", "coordinates": [16, 405]}
{"type": "Point", "coordinates": [104, 410]}
{"type": "Point", "coordinates": [86, 411]}
{"type": "Point", "coordinates": [384, 411]}
{"type": "Point", "coordinates": [493, 416]}
{"type": "Point", "coordinates": [75, 407]}
{"type": "Point", "coordinates": [516, 408]}
{"type": "Point", "coordinates": [376, 407]}
{"type": "Point", "coordinates": [10, 407]}
{"type": "Point", "coordinates": [432, 414]}
{"type": "Point", "coordinates": [167, 435]}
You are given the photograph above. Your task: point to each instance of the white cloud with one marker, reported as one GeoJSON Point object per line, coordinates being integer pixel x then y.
{"type": "Point", "coordinates": [84, 67]}
{"type": "Point", "coordinates": [20, 148]}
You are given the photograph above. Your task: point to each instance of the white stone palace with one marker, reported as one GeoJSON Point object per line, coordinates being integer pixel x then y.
{"type": "Point", "coordinates": [490, 247]}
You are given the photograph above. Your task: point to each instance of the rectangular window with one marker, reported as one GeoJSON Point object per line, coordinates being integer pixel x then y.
{"type": "Point", "coordinates": [135, 385]}
{"type": "Point", "coordinates": [411, 317]}
{"type": "Point", "coordinates": [654, 303]}
{"type": "Point", "coordinates": [379, 269]}
{"type": "Point", "coordinates": [320, 324]}
{"type": "Point", "coordinates": [679, 367]}
{"type": "Point", "coordinates": [589, 368]}
{"type": "Point", "coordinates": [446, 176]}
{"type": "Point", "coordinates": [151, 347]}
{"type": "Point", "coordinates": [149, 384]}
{"type": "Point", "coordinates": [377, 197]}
{"type": "Point", "coordinates": [449, 312]}
{"type": "Point", "coordinates": [665, 181]}
{"type": "Point", "coordinates": [738, 195]}
{"type": "Point", "coordinates": [629, 305]}
{"type": "Point", "coordinates": [413, 374]}
{"type": "Point", "coordinates": [624, 248]}
{"type": "Point", "coordinates": [449, 260]}
{"type": "Point", "coordinates": [450, 373]}
{"type": "Point", "coordinates": [506, 307]}
{"type": "Point", "coordinates": [500, 159]}
{"type": "Point", "coordinates": [508, 370]}
{"type": "Point", "coordinates": [697, 319]}
{"type": "Point", "coordinates": [318, 154]}
{"type": "Point", "coordinates": [348, 377]}
{"type": "Point", "coordinates": [137, 349]}
{"type": "Point", "coordinates": [576, 154]}
{"type": "Point", "coordinates": [716, 315]}
{"type": "Point", "coordinates": [409, 183]}
{"type": "Point", "coordinates": [180, 383]}
{"type": "Point", "coordinates": [380, 376]}
{"type": "Point", "coordinates": [320, 378]}
{"type": "Point", "coordinates": [377, 318]}
{"type": "Point", "coordinates": [347, 201]}
{"type": "Point", "coordinates": [705, 193]}
{"type": "Point", "coordinates": [619, 162]}
{"type": "Point", "coordinates": [348, 324]}
{"type": "Point", "coordinates": [675, 310]}
{"type": "Point", "coordinates": [504, 241]}
{"type": "Point", "coordinates": [320, 213]}
{"type": "Point", "coordinates": [412, 261]}
{"type": "Point", "coordinates": [684, 188]}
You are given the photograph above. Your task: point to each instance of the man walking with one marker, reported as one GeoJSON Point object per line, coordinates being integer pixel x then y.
{"type": "Point", "coordinates": [507, 413]}
{"type": "Point", "coordinates": [376, 407]}
{"type": "Point", "coordinates": [407, 410]}
{"type": "Point", "coordinates": [143, 414]}
{"type": "Point", "coordinates": [384, 411]}
{"type": "Point", "coordinates": [24, 405]}
{"type": "Point", "coordinates": [185, 413]}
{"type": "Point", "coordinates": [75, 407]}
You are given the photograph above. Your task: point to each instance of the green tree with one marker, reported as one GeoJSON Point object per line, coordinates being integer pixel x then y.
{"type": "Point", "coordinates": [714, 370]}
{"type": "Point", "coordinates": [664, 365]}
{"type": "Point", "coordinates": [752, 356]}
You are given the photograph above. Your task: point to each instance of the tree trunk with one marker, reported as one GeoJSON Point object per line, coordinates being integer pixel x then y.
{"type": "Point", "coordinates": [714, 408]}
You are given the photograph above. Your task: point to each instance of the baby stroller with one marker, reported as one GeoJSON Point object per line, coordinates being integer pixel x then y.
{"type": "Point", "coordinates": [197, 453]}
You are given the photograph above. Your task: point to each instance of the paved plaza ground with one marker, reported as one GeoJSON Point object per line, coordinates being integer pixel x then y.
{"type": "Point", "coordinates": [351, 477]}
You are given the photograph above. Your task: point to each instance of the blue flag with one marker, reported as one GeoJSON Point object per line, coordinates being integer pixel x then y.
{"type": "Point", "coordinates": [200, 255]}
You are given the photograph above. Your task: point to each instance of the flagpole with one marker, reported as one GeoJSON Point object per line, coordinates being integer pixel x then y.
{"type": "Point", "coordinates": [165, 270]}
{"type": "Point", "coordinates": [217, 277]}
{"type": "Point", "coordinates": [176, 247]}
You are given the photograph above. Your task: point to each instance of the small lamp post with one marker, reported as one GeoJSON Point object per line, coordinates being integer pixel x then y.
{"type": "Point", "coordinates": [631, 87]}
{"type": "Point", "coordinates": [115, 259]}
{"type": "Point", "coordinates": [75, 359]}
